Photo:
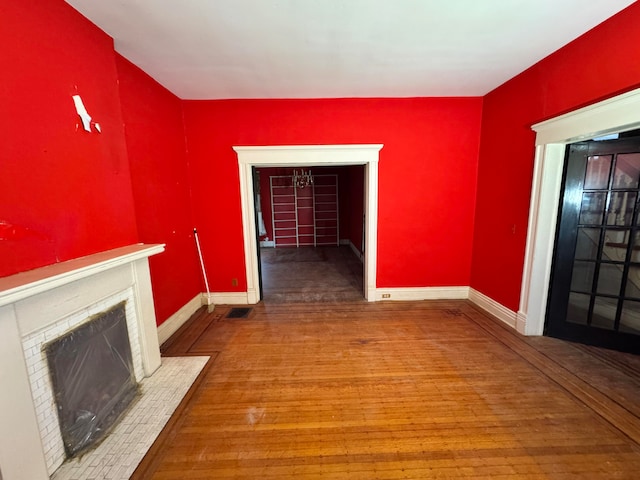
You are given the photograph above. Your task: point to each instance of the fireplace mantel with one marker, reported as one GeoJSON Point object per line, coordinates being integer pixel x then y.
{"type": "Point", "coordinates": [25, 284]}
{"type": "Point", "coordinates": [32, 300]}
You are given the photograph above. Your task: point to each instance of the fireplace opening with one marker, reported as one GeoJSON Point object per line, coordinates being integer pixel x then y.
{"type": "Point", "coordinates": [93, 379]}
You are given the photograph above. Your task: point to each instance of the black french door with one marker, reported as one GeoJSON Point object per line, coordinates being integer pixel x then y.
{"type": "Point", "coordinates": [594, 295]}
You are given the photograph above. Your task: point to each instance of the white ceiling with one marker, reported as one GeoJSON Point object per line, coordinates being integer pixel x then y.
{"type": "Point", "coordinates": [214, 49]}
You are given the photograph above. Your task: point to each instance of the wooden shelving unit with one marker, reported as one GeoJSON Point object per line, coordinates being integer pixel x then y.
{"type": "Point", "coordinates": [305, 216]}
{"type": "Point", "coordinates": [327, 227]}
{"type": "Point", "coordinates": [284, 216]}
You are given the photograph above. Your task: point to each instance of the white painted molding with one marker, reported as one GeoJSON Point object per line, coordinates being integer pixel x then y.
{"type": "Point", "coordinates": [521, 323]}
{"type": "Point", "coordinates": [371, 228]}
{"type": "Point", "coordinates": [492, 307]}
{"type": "Point", "coordinates": [545, 198]}
{"type": "Point", "coordinates": [146, 314]}
{"type": "Point", "coordinates": [613, 115]}
{"type": "Point", "coordinates": [26, 284]}
{"type": "Point", "coordinates": [404, 294]}
{"type": "Point", "coordinates": [263, 243]}
{"type": "Point", "coordinates": [231, 298]}
{"type": "Point", "coordinates": [175, 321]}
{"type": "Point", "coordinates": [21, 453]}
{"type": "Point", "coordinates": [308, 156]}
{"type": "Point", "coordinates": [616, 114]}
{"type": "Point", "coordinates": [313, 155]}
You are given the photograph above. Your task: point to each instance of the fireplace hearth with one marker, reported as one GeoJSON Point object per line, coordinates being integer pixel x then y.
{"type": "Point", "coordinates": [93, 378]}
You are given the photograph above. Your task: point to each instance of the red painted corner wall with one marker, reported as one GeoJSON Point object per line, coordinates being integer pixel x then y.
{"type": "Point", "coordinates": [600, 64]}
{"type": "Point", "coordinates": [159, 174]}
{"type": "Point", "coordinates": [64, 192]}
{"type": "Point", "coordinates": [427, 176]}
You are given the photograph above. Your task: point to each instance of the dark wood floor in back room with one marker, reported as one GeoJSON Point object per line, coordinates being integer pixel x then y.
{"type": "Point", "coordinates": [394, 390]}
{"type": "Point", "coordinates": [311, 274]}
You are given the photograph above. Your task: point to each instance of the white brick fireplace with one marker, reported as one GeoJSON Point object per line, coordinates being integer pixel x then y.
{"type": "Point", "coordinates": [36, 307]}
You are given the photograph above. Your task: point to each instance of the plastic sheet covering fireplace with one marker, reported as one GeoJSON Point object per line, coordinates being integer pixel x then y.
{"type": "Point", "coordinates": [93, 379]}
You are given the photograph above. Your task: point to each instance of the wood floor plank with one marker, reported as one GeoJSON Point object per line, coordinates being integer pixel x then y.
{"type": "Point", "coordinates": [387, 390]}
{"type": "Point", "coordinates": [581, 382]}
{"type": "Point", "coordinates": [184, 338]}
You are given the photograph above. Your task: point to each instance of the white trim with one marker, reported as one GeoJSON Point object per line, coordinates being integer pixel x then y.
{"type": "Point", "coordinates": [617, 114]}
{"type": "Point", "coordinates": [146, 314]}
{"type": "Point", "coordinates": [307, 156]}
{"type": "Point", "coordinates": [545, 195]}
{"type": "Point", "coordinates": [422, 293]}
{"type": "Point", "coordinates": [175, 321]}
{"type": "Point", "coordinates": [21, 453]}
{"type": "Point", "coordinates": [521, 323]}
{"type": "Point", "coordinates": [230, 298]}
{"type": "Point", "coordinates": [265, 244]}
{"type": "Point", "coordinates": [492, 307]}
{"type": "Point", "coordinates": [27, 284]}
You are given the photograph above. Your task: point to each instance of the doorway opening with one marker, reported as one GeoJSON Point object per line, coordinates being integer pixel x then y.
{"type": "Point", "coordinates": [310, 228]}
{"type": "Point", "coordinates": [306, 156]}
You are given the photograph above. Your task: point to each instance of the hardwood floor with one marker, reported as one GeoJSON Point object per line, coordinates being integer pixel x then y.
{"type": "Point", "coordinates": [395, 390]}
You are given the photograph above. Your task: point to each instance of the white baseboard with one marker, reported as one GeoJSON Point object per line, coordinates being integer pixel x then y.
{"type": "Point", "coordinates": [207, 299]}
{"type": "Point", "coordinates": [382, 294]}
{"type": "Point", "coordinates": [230, 298]}
{"type": "Point", "coordinates": [422, 293]}
{"type": "Point", "coordinates": [489, 305]}
{"type": "Point", "coordinates": [521, 323]}
{"type": "Point", "coordinates": [175, 321]}
{"type": "Point", "coordinates": [267, 243]}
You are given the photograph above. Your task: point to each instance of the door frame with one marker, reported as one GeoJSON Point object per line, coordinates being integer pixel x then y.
{"type": "Point", "coordinates": [614, 115]}
{"type": "Point", "coordinates": [308, 156]}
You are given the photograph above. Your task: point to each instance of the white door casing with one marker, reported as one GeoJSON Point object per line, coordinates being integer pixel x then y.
{"type": "Point", "coordinates": [617, 114]}
{"type": "Point", "coordinates": [308, 156]}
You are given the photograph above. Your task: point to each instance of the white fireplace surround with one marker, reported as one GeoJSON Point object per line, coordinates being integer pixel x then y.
{"type": "Point", "coordinates": [40, 305]}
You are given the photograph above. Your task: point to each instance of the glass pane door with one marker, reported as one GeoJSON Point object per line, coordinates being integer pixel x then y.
{"type": "Point", "coordinates": [595, 288]}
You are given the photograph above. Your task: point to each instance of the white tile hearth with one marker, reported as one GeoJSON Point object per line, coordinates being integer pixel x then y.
{"type": "Point", "coordinates": [118, 456]}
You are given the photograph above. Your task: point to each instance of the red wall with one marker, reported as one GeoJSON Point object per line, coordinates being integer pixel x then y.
{"type": "Point", "coordinates": [64, 192]}
{"type": "Point", "coordinates": [355, 199]}
{"type": "Point", "coordinates": [427, 176]}
{"type": "Point", "coordinates": [265, 198]}
{"type": "Point", "coordinates": [599, 64]}
{"type": "Point", "coordinates": [157, 155]}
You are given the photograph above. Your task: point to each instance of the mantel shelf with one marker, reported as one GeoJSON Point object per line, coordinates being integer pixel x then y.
{"type": "Point", "coordinates": [26, 284]}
